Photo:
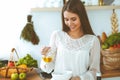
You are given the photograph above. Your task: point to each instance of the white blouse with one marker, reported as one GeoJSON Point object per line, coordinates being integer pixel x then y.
{"type": "Point", "coordinates": [79, 56]}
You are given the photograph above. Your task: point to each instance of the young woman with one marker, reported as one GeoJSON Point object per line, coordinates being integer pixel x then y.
{"type": "Point", "coordinates": [76, 48]}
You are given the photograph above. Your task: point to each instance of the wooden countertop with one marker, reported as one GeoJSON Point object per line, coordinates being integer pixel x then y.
{"type": "Point", "coordinates": [33, 75]}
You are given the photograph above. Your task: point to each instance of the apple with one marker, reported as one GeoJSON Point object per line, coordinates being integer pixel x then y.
{"type": "Point", "coordinates": [22, 76]}
{"type": "Point", "coordinates": [14, 76]}
{"type": "Point", "coordinates": [11, 64]}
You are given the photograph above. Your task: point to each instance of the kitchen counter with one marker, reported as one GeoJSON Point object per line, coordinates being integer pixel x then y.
{"type": "Point", "coordinates": [33, 75]}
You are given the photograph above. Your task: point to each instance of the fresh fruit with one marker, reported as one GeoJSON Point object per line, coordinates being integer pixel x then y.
{"type": "Point", "coordinates": [22, 66]}
{"type": "Point", "coordinates": [22, 76]}
{"type": "Point", "coordinates": [111, 48]}
{"type": "Point", "coordinates": [105, 46]}
{"type": "Point", "coordinates": [11, 64]}
{"type": "Point", "coordinates": [112, 40]}
{"type": "Point", "coordinates": [118, 45]}
{"type": "Point", "coordinates": [27, 60]}
{"type": "Point", "coordinates": [14, 76]}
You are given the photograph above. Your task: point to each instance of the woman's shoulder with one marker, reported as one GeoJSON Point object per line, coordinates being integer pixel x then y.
{"type": "Point", "coordinates": [92, 39]}
{"type": "Point", "coordinates": [91, 36]}
{"type": "Point", "coordinates": [58, 32]}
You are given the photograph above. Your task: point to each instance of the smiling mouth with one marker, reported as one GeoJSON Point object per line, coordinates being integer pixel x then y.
{"type": "Point", "coordinates": [72, 27]}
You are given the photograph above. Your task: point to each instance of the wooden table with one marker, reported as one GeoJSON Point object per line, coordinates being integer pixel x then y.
{"type": "Point", "coordinates": [33, 75]}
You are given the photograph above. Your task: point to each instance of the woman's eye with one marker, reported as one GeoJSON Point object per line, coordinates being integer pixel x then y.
{"type": "Point", "coordinates": [66, 19]}
{"type": "Point", "coordinates": [73, 19]}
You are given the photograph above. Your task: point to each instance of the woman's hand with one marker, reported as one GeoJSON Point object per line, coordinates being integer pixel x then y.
{"type": "Point", "coordinates": [75, 78]}
{"type": "Point", "coordinates": [45, 50]}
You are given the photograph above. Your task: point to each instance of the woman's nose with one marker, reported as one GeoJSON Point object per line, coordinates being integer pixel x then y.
{"type": "Point", "coordinates": [69, 23]}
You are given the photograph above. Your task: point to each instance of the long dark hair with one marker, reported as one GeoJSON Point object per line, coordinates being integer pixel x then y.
{"type": "Point", "coordinates": [77, 7]}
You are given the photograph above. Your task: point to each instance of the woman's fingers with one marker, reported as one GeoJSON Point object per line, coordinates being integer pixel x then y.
{"type": "Point", "coordinates": [75, 78]}
{"type": "Point", "coordinates": [45, 50]}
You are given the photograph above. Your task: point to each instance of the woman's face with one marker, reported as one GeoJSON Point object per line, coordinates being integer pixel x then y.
{"type": "Point", "coordinates": [72, 20]}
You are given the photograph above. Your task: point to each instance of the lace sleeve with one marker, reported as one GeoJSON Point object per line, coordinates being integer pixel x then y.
{"type": "Point", "coordinates": [48, 67]}
{"type": "Point", "coordinates": [94, 61]}
{"type": "Point", "coordinates": [53, 40]}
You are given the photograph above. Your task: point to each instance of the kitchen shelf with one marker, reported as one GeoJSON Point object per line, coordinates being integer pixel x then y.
{"type": "Point", "coordinates": [106, 7]}
{"type": "Point", "coordinates": [102, 7]}
{"type": "Point", "coordinates": [37, 9]}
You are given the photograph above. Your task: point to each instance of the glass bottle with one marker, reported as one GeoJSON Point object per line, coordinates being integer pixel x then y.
{"type": "Point", "coordinates": [64, 1]}
{"type": "Point", "coordinates": [49, 57]}
{"type": "Point", "coordinates": [101, 2]}
{"type": "Point", "coordinates": [98, 76]}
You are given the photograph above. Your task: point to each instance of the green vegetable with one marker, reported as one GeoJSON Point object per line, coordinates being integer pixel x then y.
{"type": "Point", "coordinates": [1, 64]}
{"type": "Point", "coordinates": [105, 46]}
{"type": "Point", "coordinates": [111, 40]}
{"type": "Point", "coordinates": [28, 60]}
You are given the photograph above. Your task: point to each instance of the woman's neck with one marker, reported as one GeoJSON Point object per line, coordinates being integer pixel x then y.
{"type": "Point", "coordinates": [75, 34]}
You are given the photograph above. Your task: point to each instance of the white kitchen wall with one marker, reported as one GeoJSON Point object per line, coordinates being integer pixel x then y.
{"type": "Point", "coordinates": [13, 17]}
{"type": "Point", "coordinates": [101, 20]}
{"type": "Point", "coordinates": [46, 22]}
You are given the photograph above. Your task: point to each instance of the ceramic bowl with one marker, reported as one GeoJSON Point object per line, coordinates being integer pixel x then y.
{"type": "Point", "coordinates": [63, 76]}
